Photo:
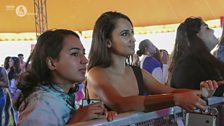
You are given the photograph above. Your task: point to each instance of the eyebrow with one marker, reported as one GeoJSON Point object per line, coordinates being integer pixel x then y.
{"type": "Point", "coordinates": [127, 30]}
{"type": "Point", "coordinates": [75, 48]}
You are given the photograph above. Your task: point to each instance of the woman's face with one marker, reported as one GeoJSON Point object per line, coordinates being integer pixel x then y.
{"type": "Point", "coordinates": [122, 40]}
{"type": "Point", "coordinates": [11, 62]}
{"type": "Point", "coordinates": [71, 65]}
{"type": "Point", "coordinates": [207, 35]}
{"type": "Point", "coordinates": [151, 48]}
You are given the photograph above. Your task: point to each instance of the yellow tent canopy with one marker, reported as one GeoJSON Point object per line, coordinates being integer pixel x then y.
{"type": "Point", "coordinates": [81, 15]}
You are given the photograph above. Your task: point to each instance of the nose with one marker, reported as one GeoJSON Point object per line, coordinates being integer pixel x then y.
{"type": "Point", "coordinates": [84, 60]}
{"type": "Point", "coordinates": [133, 38]}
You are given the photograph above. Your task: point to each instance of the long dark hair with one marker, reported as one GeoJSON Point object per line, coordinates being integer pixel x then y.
{"type": "Point", "coordinates": [6, 62]}
{"type": "Point", "coordinates": [99, 53]}
{"type": "Point", "coordinates": [188, 43]}
{"type": "Point", "coordinates": [49, 44]}
{"type": "Point", "coordinates": [13, 70]}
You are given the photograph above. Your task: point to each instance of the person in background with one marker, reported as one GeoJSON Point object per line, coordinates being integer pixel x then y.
{"type": "Point", "coordinates": [135, 60]}
{"type": "Point", "coordinates": [121, 86]}
{"type": "Point", "coordinates": [165, 60]}
{"type": "Point", "coordinates": [164, 55]}
{"type": "Point", "coordinates": [151, 61]}
{"type": "Point", "coordinates": [8, 63]}
{"type": "Point", "coordinates": [3, 85]}
{"type": "Point", "coordinates": [192, 61]}
{"type": "Point", "coordinates": [12, 66]}
{"type": "Point", "coordinates": [57, 62]}
{"type": "Point", "coordinates": [22, 63]}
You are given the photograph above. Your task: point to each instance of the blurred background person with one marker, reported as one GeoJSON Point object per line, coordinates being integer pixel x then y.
{"type": "Point", "coordinates": [151, 61]}
{"type": "Point", "coordinates": [22, 63]}
{"type": "Point", "coordinates": [135, 61]}
{"type": "Point", "coordinates": [12, 66]}
{"type": "Point", "coordinates": [3, 85]}
{"type": "Point", "coordinates": [164, 55]}
{"type": "Point", "coordinates": [165, 60]}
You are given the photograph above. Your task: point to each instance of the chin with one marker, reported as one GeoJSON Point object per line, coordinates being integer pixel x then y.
{"type": "Point", "coordinates": [131, 53]}
{"type": "Point", "coordinates": [78, 80]}
{"type": "Point", "coordinates": [81, 79]}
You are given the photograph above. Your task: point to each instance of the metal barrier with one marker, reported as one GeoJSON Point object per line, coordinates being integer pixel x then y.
{"type": "Point", "coordinates": [164, 117]}
{"type": "Point", "coordinates": [212, 116]}
{"type": "Point", "coordinates": [173, 116]}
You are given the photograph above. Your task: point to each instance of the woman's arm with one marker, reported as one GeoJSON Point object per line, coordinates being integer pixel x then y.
{"type": "Point", "coordinates": [100, 85]}
{"type": "Point", "coordinates": [185, 98]}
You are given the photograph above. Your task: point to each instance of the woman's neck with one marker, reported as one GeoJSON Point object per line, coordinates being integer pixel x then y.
{"type": "Point", "coordinates": [118, 63]}
{"type": "Point", "coordinates": [65, 85]}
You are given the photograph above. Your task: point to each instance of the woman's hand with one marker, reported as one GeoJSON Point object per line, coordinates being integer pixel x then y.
{"type": "Point", "coordinates": [92, 111]}
{"type": "Point", "coordinates": [110, 115]}
{"type": "Point", "coordinates": [190, 100]}
{"type": "Point", "coordinates": [164, 57]}
{"type": "Point", "coordinates": [208, 87]}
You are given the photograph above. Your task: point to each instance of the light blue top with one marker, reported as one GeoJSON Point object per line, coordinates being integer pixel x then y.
{"type": "Point", "coordinates": [47, 107]}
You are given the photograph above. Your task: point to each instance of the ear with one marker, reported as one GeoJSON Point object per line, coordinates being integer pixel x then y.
{"type": "Point", "coordinates": [50, 63]}
{"type": "Point", "coordinates": [109, 43]}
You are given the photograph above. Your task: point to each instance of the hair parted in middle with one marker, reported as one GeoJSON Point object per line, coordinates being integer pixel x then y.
{"type": "Point", "coordinates": [99, 53]}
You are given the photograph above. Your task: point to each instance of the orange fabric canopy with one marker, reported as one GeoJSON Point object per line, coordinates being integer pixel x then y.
{"type": "Point", "coordinates": [81, 14]}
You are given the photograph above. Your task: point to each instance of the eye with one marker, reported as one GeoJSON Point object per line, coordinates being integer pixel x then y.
{"type": "Point", "coordinates": [124, 34]}
{"type": "Point", "coordinates": [132, 32]}
{"type": "Point", "coordinates": [78, 54]}
{"type": "Point", "coordinates": [75, 54]}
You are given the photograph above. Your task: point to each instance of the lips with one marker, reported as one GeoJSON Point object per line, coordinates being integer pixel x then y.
{"type": "Point", "coordinates": [82, 70]}
{"type": "Point", "coordinates": [132, 47]}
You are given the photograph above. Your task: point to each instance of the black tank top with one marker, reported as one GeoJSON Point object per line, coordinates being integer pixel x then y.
{"type": "Point", "coordinates": [139, 77]}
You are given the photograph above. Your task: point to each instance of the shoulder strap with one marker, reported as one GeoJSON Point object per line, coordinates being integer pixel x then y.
{"type": "Point", "coordinates": [139, 77]}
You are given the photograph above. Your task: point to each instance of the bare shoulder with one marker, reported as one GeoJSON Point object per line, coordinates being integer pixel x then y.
{"type": "Point", "coordinates": [96, 71]}
{"type": "Point", "coordinates": [97, 82]}
{"type": "Point", "coordinates": [96, 75]}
